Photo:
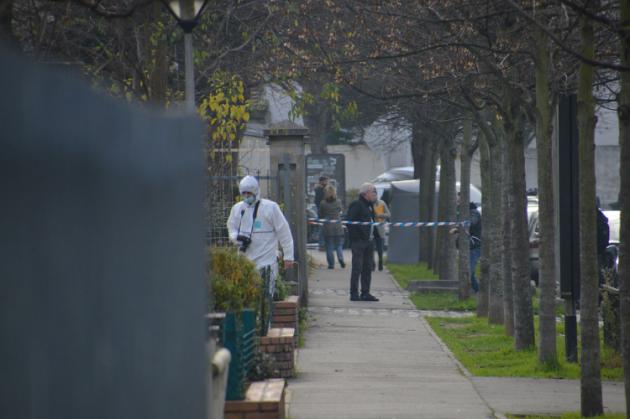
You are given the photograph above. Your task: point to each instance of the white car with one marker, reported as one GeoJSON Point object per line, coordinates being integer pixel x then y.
{"type": "Point", "coordinates": [384, 181]}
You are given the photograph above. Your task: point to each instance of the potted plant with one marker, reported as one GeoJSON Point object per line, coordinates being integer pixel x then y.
{"type": "Point", "coordinates": [236, 290]}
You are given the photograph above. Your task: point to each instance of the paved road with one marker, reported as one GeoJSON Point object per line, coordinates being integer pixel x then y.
{"type": "Point", "coordinates": [381, 360]}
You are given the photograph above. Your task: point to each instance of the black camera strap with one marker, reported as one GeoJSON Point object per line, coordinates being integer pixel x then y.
{"type": "Point", "coordinates": [253, 219]}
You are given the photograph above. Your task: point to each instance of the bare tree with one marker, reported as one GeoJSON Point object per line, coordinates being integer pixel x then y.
{"type": "Point", "coordinates": [590, 383]}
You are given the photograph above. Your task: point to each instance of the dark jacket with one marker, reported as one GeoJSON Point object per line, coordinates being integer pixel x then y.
{"type": "Point", "coordinates": [319, 195]}
{"type": "Point", "coordinates": [360, 210]}
{"type": "Point", "coordinates": [475, 226]}
{"type": "Point", "coordinates": [603, 232]}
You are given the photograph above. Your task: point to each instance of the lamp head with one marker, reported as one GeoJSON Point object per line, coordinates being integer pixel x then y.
{"type": "Point", "coordinates": [186, 12]}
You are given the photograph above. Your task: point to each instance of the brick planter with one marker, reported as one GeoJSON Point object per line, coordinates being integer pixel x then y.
{"type": "Point", "coordinates": [285, 313]}
{"type": "Point", "coordinates": [280, 344]}
{"type": "Point", "coordinates": [263, 400]}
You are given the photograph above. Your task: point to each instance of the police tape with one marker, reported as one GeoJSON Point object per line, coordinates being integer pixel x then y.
{"type": "Point", "coordinates": [322, 221]}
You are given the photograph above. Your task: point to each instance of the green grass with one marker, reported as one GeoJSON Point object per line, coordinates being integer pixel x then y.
{"type": "Point", "coordinates": [404, 273]}
{"type": "Point", "coordinates": [486, 351]}
{"type": "Point", "coordinates": [303, 324]}
{"type": "Point", "coordinates": [445, 301]}
{"type": "Point", "coordinates": [569, 415]}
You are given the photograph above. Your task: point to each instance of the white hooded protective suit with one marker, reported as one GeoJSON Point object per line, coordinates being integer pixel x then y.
{"type": "Point", "coordinates": [269, 228]}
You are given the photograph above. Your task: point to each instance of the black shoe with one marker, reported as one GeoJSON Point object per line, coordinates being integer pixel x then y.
{"type": "Point", "coordinates": [331, 267]}
{"type": "Point", "coordinates": [380, 266]}
{"type": "Point", "coordinates": [342, 263]}
{"type": "Point", "coordinates": [354, 297]}
{"type": "Point", "coordinates": [368, 297]}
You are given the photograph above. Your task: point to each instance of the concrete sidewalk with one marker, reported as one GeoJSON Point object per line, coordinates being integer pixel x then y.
{"type": "Point", "coordinates": [381, 360]}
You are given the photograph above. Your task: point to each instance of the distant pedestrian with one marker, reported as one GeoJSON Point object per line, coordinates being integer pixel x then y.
{"type": "Point", "coordinates": [330, 208]}
{"type": "Point", "coordinates": [362, 243]}
{"type": "Point", "coordinates": [319, 196]}
{"type": "Point", "coordinates": [474, 242]}
{"type": "Point", "coordinates": [603, 238]}
{"type": "Point", "coordinates": [319, 190]}
{"type": "Point", "coordinates": [381, 214]}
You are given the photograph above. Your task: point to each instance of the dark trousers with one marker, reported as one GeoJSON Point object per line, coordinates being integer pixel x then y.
{"type": "Point", "coordinates": [362, 260]}
{"type": "Point", "coordinates": [380, 244]}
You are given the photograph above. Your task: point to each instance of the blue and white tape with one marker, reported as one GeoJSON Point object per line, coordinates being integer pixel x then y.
{"type": "Point", "coordinates": [321, 221]}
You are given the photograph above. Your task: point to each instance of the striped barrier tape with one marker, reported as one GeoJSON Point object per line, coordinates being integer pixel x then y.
{"type": "Point", "coordinates": [321, 221]}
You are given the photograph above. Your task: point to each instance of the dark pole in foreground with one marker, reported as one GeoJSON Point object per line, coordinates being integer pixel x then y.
{"type": "Point", "coordinates": [568, 204]}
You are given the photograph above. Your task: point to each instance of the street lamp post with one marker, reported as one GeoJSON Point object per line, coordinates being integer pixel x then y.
{"type": "Point", "coordinates": [187, 13]}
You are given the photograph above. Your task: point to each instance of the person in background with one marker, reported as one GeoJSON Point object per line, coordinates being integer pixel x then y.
{"type": "Point", "coordinates": [330, 208]}
{"type": "Point", "coordinates": [475, 244]}
{"type": "Point", "coordinates": [474, 240]}
{"type": "Point", "coordinates": [319, 196]}
{"type": "Point", "coordinates": [362, 243]}
{"type": "Point", "coordinates": [381, 215]}
{"type": "Point", "coordinates": [603, 238]}
{"type": "Point", "coordinates": [319, 190]}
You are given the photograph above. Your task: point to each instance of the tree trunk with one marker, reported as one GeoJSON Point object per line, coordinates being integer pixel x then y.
{"type": "Point", "coordinates": [486, 206]}
{"type": "Point", "coordinates": [495, 222]}
{"type": "Point", "coordinates": [464, 211]}
{"type": "Point", "coordinates": [422, 148]}
{"type": "Point", "coordinates": [523, 313]}
{"type": "Point", "coordinates": [427, 202]}
{"type": "Point", "coordinates": [506, 219]}
{"type": "Point", "coordinates": [6, 24]}
{"type": "Point", "coordinates": [158, 53]}
{"type": "Point", "coordinates": [624, 197]}
{"type": "Point", "coordinates": [418, 150]}
{"type": "Point", "coordinates": [546, 213]}
{"type": "Point", "coordinates": [317, 118]}
{"type": "Point", "coordinates": [591, 386]}
{"type": "Point", "coordinates": [446, 212]}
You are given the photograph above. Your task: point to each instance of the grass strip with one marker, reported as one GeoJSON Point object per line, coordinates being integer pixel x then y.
{"type": "Point", "coordinates": [486, 351]}
{"type": "Point", "coordinates": [403, 273]}
{"type": "Point", "coordinates": [443, 301]}
{"type": "Point", "coordinates": [569, 415]}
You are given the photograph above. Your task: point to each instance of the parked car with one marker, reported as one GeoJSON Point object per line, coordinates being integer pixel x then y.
{"type": "Point", "coordinates": [383, 182]}
{"type": "Point", "coordinates": [612, 251]}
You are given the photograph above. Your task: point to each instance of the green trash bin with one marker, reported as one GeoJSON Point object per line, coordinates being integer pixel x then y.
{"type": "Point", "coordinates": [239, 337]}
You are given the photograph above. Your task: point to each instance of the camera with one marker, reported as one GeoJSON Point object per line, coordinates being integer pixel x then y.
{"type": "Point", "coordinates": [245, 242]}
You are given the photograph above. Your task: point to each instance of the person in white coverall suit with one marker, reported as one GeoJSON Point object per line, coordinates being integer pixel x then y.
{"type": "Point", "coordinates": [256, 225]}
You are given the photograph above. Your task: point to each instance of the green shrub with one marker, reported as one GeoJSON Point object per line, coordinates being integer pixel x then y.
{"type": "Point", "coordinates": [264, 366]}
{"type": "Point", "coordinates": [235, 282]}
{"type": "Point", "coordinates": [282, 289]}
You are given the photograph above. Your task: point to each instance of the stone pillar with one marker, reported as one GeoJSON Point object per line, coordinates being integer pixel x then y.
{"type": "Point", "coordinates": [286, 153]}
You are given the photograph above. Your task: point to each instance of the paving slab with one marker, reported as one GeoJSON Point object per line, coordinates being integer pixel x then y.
{"type": "Point", "coordinates": [382, 360]}
{"type": "Point", "coordinates": [374, 359]}
{"type": "Point", "coordinates": [531, 396]}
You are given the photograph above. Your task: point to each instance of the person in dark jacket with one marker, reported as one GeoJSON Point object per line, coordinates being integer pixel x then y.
{"type": "Point", "coordinates": [475, 244]}
{"type": "Point", "coordinates": [474, 241]}
{"type": "Point", "coordinates": [319, 190]}
{"type": "Point", "coordinates": [319, 196]}
{"type": "Point", "coordinates": [362, 243]}
{"type": "Point", "coordinates": [603, 238]}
